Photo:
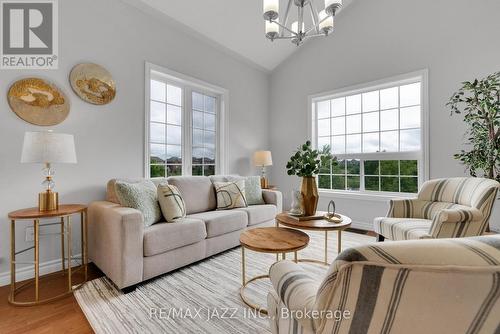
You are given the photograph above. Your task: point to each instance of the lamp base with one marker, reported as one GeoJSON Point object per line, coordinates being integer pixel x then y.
{"type": "Point", "coordinates": [264, 182]}
{"type": "Point", "coordinates": [48, 201]}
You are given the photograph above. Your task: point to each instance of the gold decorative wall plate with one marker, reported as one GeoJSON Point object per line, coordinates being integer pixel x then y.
{"type": "Point", "coordinates": [38, 101]}
{"type": "Point", "coordinates": [93, 83]}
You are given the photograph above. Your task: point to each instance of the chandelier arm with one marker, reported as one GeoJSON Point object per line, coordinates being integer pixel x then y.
{"type": "Point", "coordinates": [314, 16]}
{"type": "Point", "coordinates": [287, 12]}
{"type": "Point", "coordinates": [285, 28]}
{"type": "Point", "coordinates": [316, 27]}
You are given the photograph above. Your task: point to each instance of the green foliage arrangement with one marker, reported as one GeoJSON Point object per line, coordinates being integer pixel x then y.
{"type": "Point", "coordinates": [480, 100]}
{"type": "Point", "coordinates": [307, 162]}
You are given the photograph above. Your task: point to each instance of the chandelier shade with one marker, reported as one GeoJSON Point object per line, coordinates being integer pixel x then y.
{"type": "Point", "coordinates": [322, 21]}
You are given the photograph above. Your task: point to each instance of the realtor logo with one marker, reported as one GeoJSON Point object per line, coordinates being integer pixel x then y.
{"type": "Point", "coordinates": [29, 34]}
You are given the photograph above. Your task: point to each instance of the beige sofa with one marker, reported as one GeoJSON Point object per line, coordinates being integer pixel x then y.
{"type": "Point", "coordinates": [129, 253]}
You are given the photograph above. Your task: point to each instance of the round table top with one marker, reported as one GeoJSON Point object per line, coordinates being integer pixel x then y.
{"type": "Point", "coordinates": [315, 224]}
{"type": "Point", "coordinates": [274, 239]}
{"type": "Point", "coordinates": [34, 213]}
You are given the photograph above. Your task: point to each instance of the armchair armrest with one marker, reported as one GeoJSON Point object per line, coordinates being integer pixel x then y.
{"type": "Point", "coordinates": [273, 197]}
{"type": "Point", "coordinates": [295, 290]}
{"type": "Point", "coordinates": [404, 208]}
{"type": "Point", "coordinates": [116, 242]}
{"type": "Point", "coordinates": [452, 223]}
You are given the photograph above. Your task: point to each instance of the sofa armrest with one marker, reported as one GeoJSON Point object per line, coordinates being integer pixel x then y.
{"type": "Point", "coordinates": [273, 197]}
{"type": "Point", "coordinates": [116, 242]}
{"type": "Point", "coordinates": [452, 223]}
{"type": "Point", "coordinates": [296, 291]}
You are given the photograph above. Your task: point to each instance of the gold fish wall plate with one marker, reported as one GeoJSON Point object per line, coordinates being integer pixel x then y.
{"type": "Point", "coordinates": [93, 83]}
{"type": "Point", "coordinates": [38, 101]}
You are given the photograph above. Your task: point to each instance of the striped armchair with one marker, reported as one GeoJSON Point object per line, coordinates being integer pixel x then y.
{"type": "Point", "coordinates": [444, 208]}
{"type": "Point", "coordinates": [426, 286]}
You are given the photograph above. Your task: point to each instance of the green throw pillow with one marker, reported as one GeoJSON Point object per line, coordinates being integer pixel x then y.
{"type": "Point", "coordinates": [253, 191]}
{"type": "Point", "coordinates": [141, 196]}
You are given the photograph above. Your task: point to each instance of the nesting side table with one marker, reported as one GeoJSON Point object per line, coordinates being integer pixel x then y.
{"type": "Point", "coordinates": [64, 213]}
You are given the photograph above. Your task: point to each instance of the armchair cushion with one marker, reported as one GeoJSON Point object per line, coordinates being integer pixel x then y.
{"type": "Point", "coordinates": [402, 228]}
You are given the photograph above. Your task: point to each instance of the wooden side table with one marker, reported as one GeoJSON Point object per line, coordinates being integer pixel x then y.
{"type": "Point", "coordinates": [64, 213]}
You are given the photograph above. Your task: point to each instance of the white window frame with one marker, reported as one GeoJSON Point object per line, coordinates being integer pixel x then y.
{"type": "Point", "coordinates": [422, 155]}
{"type": "Point", "coordinates": [188, 85]}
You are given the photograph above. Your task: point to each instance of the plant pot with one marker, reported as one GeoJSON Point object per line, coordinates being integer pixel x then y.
{"type": "Point", "coordinates": [310, 195]}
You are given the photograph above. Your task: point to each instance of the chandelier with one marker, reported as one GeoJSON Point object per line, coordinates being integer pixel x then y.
{"type": "Point", "coordinates": [322, 22]}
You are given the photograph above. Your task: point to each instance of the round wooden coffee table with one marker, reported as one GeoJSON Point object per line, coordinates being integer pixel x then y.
{"type": "Point", "coordinates": [316, 225]}
{"type": "Point", "coordinates": [275, 240]}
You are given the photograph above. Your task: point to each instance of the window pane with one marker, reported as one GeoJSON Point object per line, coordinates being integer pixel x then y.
{"type": "Point", "coordinates": [157, 112]}
{"type": "Point", "coordinates": [210, 121]}
{"type": "Point", "coordinates": [325, 169]}
{"type": "Point", "coordinates": [389, 98]}
{"type": "Point", "coordinates": [353, 124]}
{"type": "Point", "coordinates": [209, 170]}
{"type": "Point", "coordinates": [338, 144]}
{"type": "Point", "coordinates": [198, 101]}
{"type": "Point", "coordinates": [197, 170]}
{"type": "Point", "coordinates": [339, 167]}
{"type": "Point", "coordinates": [324, 181]}
{"type": "Point", "coordinates": [409, 167]}
{"type": "Point", "coordinates": [324, 127]}
{"type": "Point", "coordinates": [353, 104]}
{"type": "Point", "coordinates": [353, 166]}
{"type": "Point", "coordinates": [209, 139]}
{"type": "Point", "coordinates": [370, 122]}
{"type": "Point", "coordinates": [197, 119]}
{"type": "Point", "coordinates": [157, 132]}
{"type": "Point", "coordinates": [389, 184]}
{"type": "Point", "coordinates": [157, 171]}
{"type": "Point", "coordinates": [198, 155]}
{"type": "Point", "coordinates": [338, 107]}
{"type": "Point", "coordinates": [409, 95]}
{"type": "Point", "coordinates": [370, 101]}
{"type": "Point", "coordinates": [338, 125]}
{"type": "Point", "coordinates": [323, 109]}
{"type": "Point", "coordinates": [174, 170]}
{"type": "Point", "coordinates": [353, 183]}
{"type": "Point", "coordinates": [372, 183]}
{"type": "Point", "coordinates": [389, 120]}
{"type": "Point", "coordinates": [338, 182]}
{"type": "Point", "coordinates": [409, 184]}
{"type": "Point", "coordinates": [371, 167]}
{"type": "Point", "coordinates": [353, 143]}
{"type": "Point", "coordinates": [370, 142]}
{"type": "Point", "coordinates": [209, 157]}
{"type": "Point", "coordinates": [410, 117]}
{"type": "Point", "coordinates": [410, 140]}
{"type": "Point", "coordinates": [197, 138]}
{"type": "Point", "coordinates": [174, 115]}
{"type": "Point", "coordinates": [157, 153]}
{"type": "Point", "coordinates": [209, 104]}
{"type": "Point", "coordinates": [389, 167]}
{"type": "Point", "coordinates": [389, 141]}
{"type": "Point", "coordinates": [323, 141]}
{"type": "Point", "coordinates": [174, 155]}
{"type": "Point", "coordinates": [158, 90]}
{"type": "Point", "coordinates": [174, 95]}
{"type": "Point", "coordinates": [174, 134]}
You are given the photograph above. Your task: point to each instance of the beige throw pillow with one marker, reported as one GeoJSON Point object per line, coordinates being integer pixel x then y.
{"type": "Point", "coordinates": [172, 204]}
{"type": "Point", "coordinates": [230, 195]}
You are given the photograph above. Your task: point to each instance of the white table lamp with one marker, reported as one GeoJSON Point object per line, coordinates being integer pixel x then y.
{"type": "Point", "coordinates": [47, 148]}
{"type": "Point", "coordinates": [263, 159]}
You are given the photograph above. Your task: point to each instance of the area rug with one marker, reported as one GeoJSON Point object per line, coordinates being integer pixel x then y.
{"type": "Point", "coordinates": [200, 298]}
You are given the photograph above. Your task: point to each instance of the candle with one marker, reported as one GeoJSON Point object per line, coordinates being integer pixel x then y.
{"type": "Point", "coordinates": [295, 26]}
{"type": "Point", "coordinates": [272, 27]}
{"type": "Point", "coordinates": [271, 6]}
{"type": "Point", "coordinates": [326, 22]}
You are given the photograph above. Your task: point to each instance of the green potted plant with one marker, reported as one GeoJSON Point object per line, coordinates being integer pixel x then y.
{"type": "Point", "coordinates": [306, 163]}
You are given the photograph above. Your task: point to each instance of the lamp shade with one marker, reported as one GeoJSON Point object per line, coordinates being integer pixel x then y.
{"type": "Point", "coordinates": [48, 147]}
{"type": "Point", "coordinates": [262, 158]}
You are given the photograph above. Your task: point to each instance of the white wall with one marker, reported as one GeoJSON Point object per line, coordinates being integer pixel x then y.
{"type": "Point", "coordinates": [456, 40]}
{"type": "Point", "coordinates": [110, 139]}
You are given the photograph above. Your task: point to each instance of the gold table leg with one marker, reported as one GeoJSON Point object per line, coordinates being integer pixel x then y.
{"type": "Point", "coordinates": [243, 265]}
{"type": "Point", "coordinates": [295, 257]}
{"type": "Point", "coordinates": [326, 247]}
{"type": "Point", "coordinates": [12, 259]}
{"type": "Point", "coordinates": [62, 245]}
{"type": "Point", "coordinates": [339, 242]}
{"type": "Point", "coordinates": [283, 256]}
{"type": "Point", "coordinates": [84, 242]}
{"type": "Point", "coordinates": [37, 257]}
{"type": "Point", "coordinates": [68, 229]}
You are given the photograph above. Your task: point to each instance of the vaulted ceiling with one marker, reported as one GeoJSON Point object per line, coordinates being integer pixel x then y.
{"type": "Point", "coordinates": [236, 25]}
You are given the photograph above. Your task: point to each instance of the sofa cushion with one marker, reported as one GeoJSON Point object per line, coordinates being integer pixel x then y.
{"type": "Point", "coordinates": [259, 213]}
{"type": "Point", "coordinates": [402, 228]}
{"type": "Point", "coordinates": [162, 237]}
{"type": "Point", "coordinates": [221, 222]}
{"type": "Point", "coordinates": [197, 191]}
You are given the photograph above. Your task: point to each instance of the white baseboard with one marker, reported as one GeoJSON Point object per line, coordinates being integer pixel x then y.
{"type": "Point", "coordinates": [28, 272]}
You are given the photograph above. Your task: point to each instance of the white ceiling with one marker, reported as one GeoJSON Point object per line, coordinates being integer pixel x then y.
{"type": "Point", "coordinates": [236, 25]}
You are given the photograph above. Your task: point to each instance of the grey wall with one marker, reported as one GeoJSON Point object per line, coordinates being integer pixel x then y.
{"type": "Point", "coordinates": [456, 40]}
{"type": "Point", "coordinates": [110, 139]}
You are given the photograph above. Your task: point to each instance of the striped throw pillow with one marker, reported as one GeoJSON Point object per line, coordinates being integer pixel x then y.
{"type": "Point", "coordinates": [230, 195]}
{"type": "Point", "coordinates": [171, 202]}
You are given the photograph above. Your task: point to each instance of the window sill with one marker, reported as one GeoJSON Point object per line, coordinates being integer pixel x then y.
{"type": "Point", "coordinates": [365, 196]}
